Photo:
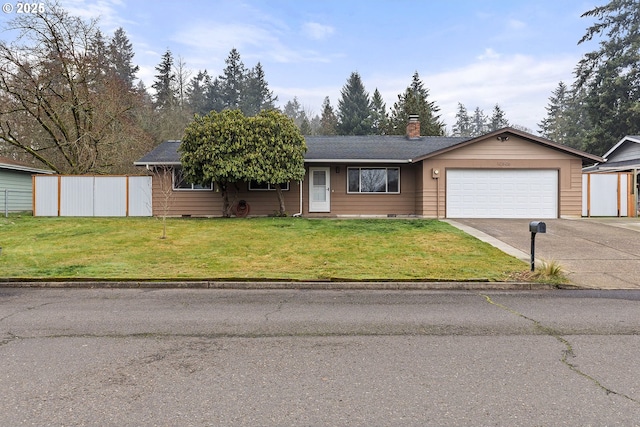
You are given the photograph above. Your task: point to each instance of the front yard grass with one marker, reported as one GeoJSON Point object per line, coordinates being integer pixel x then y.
{"type": "Point", "coordinates": [260, 248]}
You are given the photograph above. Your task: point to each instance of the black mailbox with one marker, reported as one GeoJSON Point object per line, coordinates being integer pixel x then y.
{"type": "Point", "coordinates": [537, 227]}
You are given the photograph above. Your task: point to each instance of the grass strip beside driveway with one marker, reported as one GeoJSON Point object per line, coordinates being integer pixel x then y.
{"type": "Point", "coordinates": [260, 248]}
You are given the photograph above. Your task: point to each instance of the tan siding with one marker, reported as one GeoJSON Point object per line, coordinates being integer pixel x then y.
{"type": "Point", "coordinates": [513, 148]}
{"type": "Point", "coordinates": [515, 153]}
{"type": "Point", "coordinates": [209, 203]}
{"type": "Point", "coordinates": [343, 203]}
{"type": "Point", "coordinates": [419, 192]}
{"type": "Point", "coordinates": [571, 195]}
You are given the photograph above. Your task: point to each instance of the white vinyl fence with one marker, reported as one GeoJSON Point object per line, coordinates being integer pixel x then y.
{"type": "Point", "coordinates": [59, 195]}
{"type": "Point", "coordinates": [608, 194]}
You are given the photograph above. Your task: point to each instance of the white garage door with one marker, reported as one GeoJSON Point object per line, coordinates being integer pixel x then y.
{"type": "Point", "coordinates": [489, 193]}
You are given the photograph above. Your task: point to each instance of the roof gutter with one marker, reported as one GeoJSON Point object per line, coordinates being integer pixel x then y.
{"type": "Point", "coordinates": [24, 168]}
{"type": "Point", "coordinates": [157, 163]}
{"type": "Point", "coordinates": [343, 161]}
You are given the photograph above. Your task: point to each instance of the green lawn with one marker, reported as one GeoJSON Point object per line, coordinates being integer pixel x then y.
{"type": "Point", "coordinates": [261, 248]}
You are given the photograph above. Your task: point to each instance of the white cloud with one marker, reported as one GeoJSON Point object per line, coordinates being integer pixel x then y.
{"type": "Point", "coordinates": [251, 40]}
{"type": "Point", "coordinates": [104, 10]}
{"type": "Point", "coordinates": [316, 31]}
{"type": "Point", "coordinates": [520, 84]}
{"type": "Point", "coordinates": [220, 37]}
{"type": "Point", "coordinates": [516, 24]}
{"type": "Point", "coordinates": [489, 54]}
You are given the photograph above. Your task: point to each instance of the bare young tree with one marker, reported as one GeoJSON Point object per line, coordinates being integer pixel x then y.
{"type": "Point", "coordinates": [163, 175]}
{"type": "Point", "coordinates": [183, 75]}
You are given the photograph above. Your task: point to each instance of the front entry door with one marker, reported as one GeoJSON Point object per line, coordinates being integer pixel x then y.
{"type": "Point", "coordinates": [319, 190]}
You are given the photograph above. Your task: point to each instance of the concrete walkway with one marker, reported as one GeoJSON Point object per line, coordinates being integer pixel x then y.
{"type": "Point", "coordinates": [599, 253]}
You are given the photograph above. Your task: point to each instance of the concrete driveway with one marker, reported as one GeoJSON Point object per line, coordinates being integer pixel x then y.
{"type": "Point", "coordinates": [602, 253]}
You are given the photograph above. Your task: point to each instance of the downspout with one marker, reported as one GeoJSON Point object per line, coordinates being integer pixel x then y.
{"type": "Point", "coordinates": [299, 214]}
{"type": "Point", "coordinates": [635, 193]}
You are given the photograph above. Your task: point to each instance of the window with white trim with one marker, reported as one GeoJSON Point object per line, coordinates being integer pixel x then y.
{"type": "Point", "coordinates": [373, 180]}
{"type": "Point", "coordinates": [263, 186]}
{"type": "Point", "coordinates": [180, 184]}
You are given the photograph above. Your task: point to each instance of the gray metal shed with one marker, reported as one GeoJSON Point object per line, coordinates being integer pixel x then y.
{"type": "Point", "coordinates": [16, 185]}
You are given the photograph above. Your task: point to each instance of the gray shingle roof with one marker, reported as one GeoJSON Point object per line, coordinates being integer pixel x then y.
{"type": "Point", "coordinates": [164, 154]}
{"type": "Point", "coordinates": [337, 148]}
{"type": "Point", "coordinates": [375, 147]}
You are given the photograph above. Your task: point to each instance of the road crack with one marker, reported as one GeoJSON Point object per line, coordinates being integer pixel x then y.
{"type": "Point", "coordinates": [567, 353]}
{"type": "Point", "coordinates": [278, 309]}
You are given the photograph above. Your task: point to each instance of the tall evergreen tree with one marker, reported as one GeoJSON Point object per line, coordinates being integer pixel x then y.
{"type": "Point", "coordinates": [96, 57]}
{"type": "Point", "coordinates": [379, 116]}
{"type": "Point", "coordinates": [215, 100]}
{"type": "Point", "coordinates": [315, 125]}
{"type": "Point", "coordinates": [256, 95]}
{"type": "Point", "coordinates": [329, 120]}
{"type": "Point", "coordinates": [556, 126]}
{"type": "Point", "coordinates": [354, 108]}
{"type": "Point", "coordinates": [120, 54]}
{"type": "Point", "coordinates": [232, 81]}
{"type": "Point", "coordinates": [415, 100]}
{"type": "Point", "coordinates": [610, 75]}
{"type": "Point", "coordinates": [497, 120]}
{"type": "Point", "coordinates": [164, 83]}
{"type": "Point", "coordinates": [293, 109]}
{"type": "Point", "coordinates": [478, 122]}
{"type": "Point", "coordinates": [462, 127]}
{"type": "Point", "coordinates": [197, 91]}
{"type": "Point", "coordinates": [567, 121]}
{"type": "Point", "coordinates": [305, 124]}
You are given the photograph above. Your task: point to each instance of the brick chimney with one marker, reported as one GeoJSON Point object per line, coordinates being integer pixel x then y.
{"type": "Point", "coordinates": [413, 127]}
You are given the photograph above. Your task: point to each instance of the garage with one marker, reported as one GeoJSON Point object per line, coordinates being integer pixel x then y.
{"type": "Point", "coordinates": [501, 193]}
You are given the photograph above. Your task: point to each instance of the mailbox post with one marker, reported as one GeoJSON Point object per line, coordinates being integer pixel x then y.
{"type": "Point", "coordinates": [535, 227]}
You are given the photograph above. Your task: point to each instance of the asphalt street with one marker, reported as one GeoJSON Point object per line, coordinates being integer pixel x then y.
{"type": "Point", "coordinates": [125, 357]}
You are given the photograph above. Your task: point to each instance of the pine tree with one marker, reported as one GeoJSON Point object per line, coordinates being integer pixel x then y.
{"type": "Point", "coordinates": [293, 109]}
{"type": "Point", "coordinates": [98, 62]}
{"type": "Point", "coordinates": [609, 75]}
{"type": "Point", "coordinates": [463, 122]}
{"type": "Point", "coordinates": [256, 95]}
{"type": "Point", "coordinates": [305, 125]}
{"type": "Point", "coordinates": [415, 100]}
{"type": "Point", "coordinates": [197, 91]}
{"type": "Point", "coordinates": [164, 83]}
{"type": "Point", "coordinates": [315, 125]}
{"type": "Point", "coordinates": [120, 54]}
{"type": "Point", "coordinates": [497, 120]}
{"type": "Point", "coordinates": [232, 81]}
{"type": "Point", "coordinates": [379, 116]}
{"type": "Point", "coordinates": [555, 125]}
{"type": "Point", "coordinates": [478, 122]}
{"type": "Point", "coordinates": [354, 108]}
{"type": "Point", "coordinates": [328, 121]}
{"type": "Point", "coordinates": [215, 101]}
{"type": "Point", "coordinates": [567, 121]}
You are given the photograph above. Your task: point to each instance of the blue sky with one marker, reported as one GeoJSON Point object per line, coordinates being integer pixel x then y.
{"type": "Point", "coordinates": [477, 52]}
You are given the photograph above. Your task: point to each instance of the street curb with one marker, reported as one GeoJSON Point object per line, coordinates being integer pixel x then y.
{"type": "Point", "coordinates": [307, 285]}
